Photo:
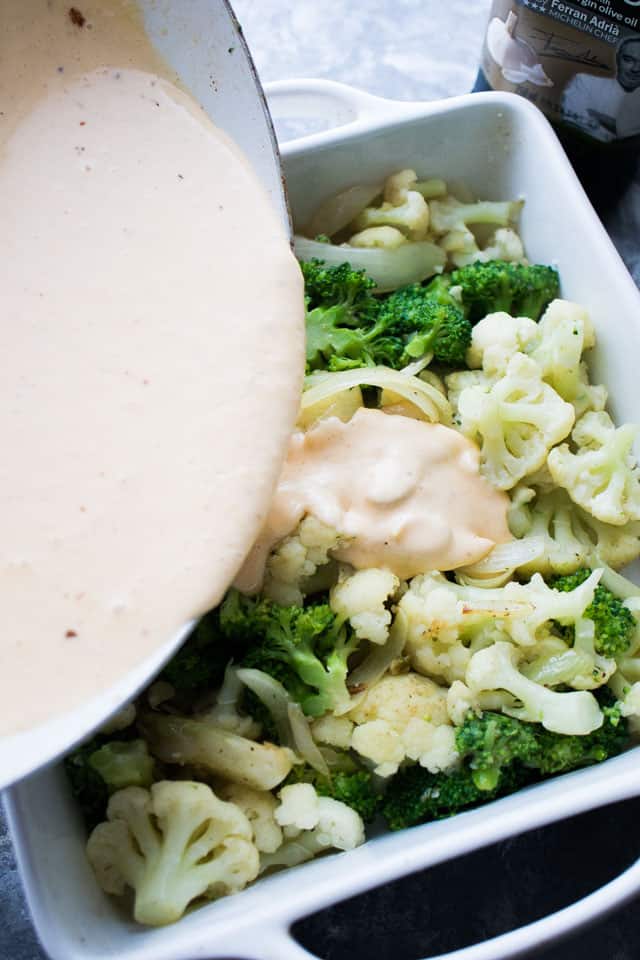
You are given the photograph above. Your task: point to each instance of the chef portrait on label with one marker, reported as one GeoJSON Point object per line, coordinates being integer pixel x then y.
{"type": "Point", "coordinates": [609, 107]}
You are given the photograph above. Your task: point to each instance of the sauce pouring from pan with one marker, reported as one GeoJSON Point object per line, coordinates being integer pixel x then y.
{"type": "Point", "coordinates": [152, 329]}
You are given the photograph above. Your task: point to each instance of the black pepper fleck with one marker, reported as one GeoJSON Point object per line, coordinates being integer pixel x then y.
{"type": "Point", "coordinates": [78, 19]}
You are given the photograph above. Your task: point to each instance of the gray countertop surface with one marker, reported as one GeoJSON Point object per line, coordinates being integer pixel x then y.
{"type": "Point", "coordinates": [421, 49]}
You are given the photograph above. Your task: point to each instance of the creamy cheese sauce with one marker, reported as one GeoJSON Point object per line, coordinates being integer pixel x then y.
{"type": "Point", "coordinates": [407, 495]}
{"type": "Point", "coordinates": [152, 341]}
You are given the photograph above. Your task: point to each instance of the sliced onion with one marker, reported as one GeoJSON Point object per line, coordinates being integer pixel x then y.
{"type": "Point", "coordinates": [342, 405]}
{"type": "Point", "coordinates": [376, 663]}
{"type": "Point", "coordinates": [418, 366]}
{"type": "Point", "coordinates": [305, 745]}
{"type": "Point", "coordinates": [338, 211]}
{"type": "Point", "coordinates": [409, 263]}
{"type": "Point", "coordinates": [229, 692]}
{"type": "Point", "coordinates": [498, 566]}
{"type": "Point", "coordinates": [275, 698]}
{"type": "Point", "coordinates": [426, 398]}
{"type": "Point", "coordinates": [291, 724]}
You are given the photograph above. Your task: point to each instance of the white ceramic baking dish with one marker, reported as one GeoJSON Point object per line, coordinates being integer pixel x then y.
{"type": "Point", "coordinates": [500, 146]}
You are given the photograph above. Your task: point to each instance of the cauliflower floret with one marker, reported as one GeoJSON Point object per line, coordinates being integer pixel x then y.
{"type": "Point", "coordinates": [628, 699]}
{"type": "Point", "coordinates": [589, 396]}
{"type": "Point", "coordinates": [386, 237]}
{"type": "Point", "coordinates": [299, 807]}
{"type": "Point", "coordinates": [259, 807]}
{"type": "Point", "coordinates": [404, 717]}
{"type": "Point", "coordinates": [496, 338]}
{"type": "Point", "coordinates": [296, 559]}
{"type": "Point", "coordinates": [432, 747]}
{"type": "Point", "coordinates": [546, 605]}
{"type": "Point", "coordinates": [397, 186]}
{"type": "Point", "coordinates": [448, 214]}
{"type": "Point", "coordinates": [553, 662]}
{"type": "Point", "coordinates": [446, 622]}
{"type": "Point", "coordinates": [614, 545]}
{"type": "Point", "coordinates": [565, 332]}
{"type": "Point", "coordinates": [312, 825]}
{"type": "Point", "coordinates": [495, 668]}
{"type": "Point", "coordinates": [431, 188]}
{"type": "Point", "coordinates": [450, 220]}
{"type": "Point", "coordinates": [398, 699]}
{"type": "Point", "coordinates": [379, 742]}
{"type": "Point", "coordinates": [570, 535]}
{"type": "Point", "coordinates": [553, 518]}
{"type": "Point", "coordinates": [360, 598]}
{"type": "Point", "coordinates": [457, 382]}
{"type": "Point", "coordinates": [504, 244]}
{"type": "Point", "coordinates": [402, 208]}
{"type": "Point", "coordinates": [460, 702]}
{"type": "Point", "coordinates": [441, 610]}
{"type": "Point", "coordinates": [516, 421]}
{"type": "Point", "coordinates": [172, 845]}
{"type": "Point", "coordinates": [332, 730]}
{"type": "Point", "coordinates": [602, 476]}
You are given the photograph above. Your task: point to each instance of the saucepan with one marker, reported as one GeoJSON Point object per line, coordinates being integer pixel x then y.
{"type": "Point", "coordinates": [500, 146]}
{"type": "Point", "coordinates": [203, 42]}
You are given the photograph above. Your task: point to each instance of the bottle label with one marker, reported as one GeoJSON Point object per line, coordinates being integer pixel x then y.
{"type": "Point", "coordinates": [578, 60]}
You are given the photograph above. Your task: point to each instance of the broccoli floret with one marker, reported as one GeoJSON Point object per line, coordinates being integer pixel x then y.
{"type": "Point", "coordinates": [199, 664]}
{"type": "Point", "coordinates": [491, 742]}
{"type": "Point", "coordinates": [87, 786]}
{"type": "Point", "coordinates": [333, 345]}
{"type": "Point", "coordinates": [340, 313]}
{"type": "Point", "coordinates": [354, 789]}
{"type": "Point", "coordinates": [102, 765]}
{"type": "Point", "coordinates": [614, 623]}
{"type": "Point", "coordinates": [348, 783]}
{"type": "Point", "coordinates": [123, 764]}
{"type": "Point", "coordinates": [348, 327]}
{"type": "Point", "coordinates": [415, 795]}
{"type": "Point", "coordinates": [326, 286]}
{"type": "Point", "coordinates": [307, 650]}
{"type": "Point", "coordinates": [521, 290]}
{"type": "Point", "coordinates": [428, 320]}
{"type": "Point", "coordinates": [558, 754]}
{"type": "Point", "coordinates": [499, 755]}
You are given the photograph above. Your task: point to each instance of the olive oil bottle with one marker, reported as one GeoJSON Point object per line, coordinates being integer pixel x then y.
{"type": "Point", "coordinates": [579, 62]}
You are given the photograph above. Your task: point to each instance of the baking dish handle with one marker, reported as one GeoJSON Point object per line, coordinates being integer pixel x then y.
{"type": "Point", "coordinates": [317, 107]}
{"type": "Point", "coordinates": [278, 943]}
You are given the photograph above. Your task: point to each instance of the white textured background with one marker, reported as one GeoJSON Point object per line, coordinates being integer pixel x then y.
{"type": "Point", "coordinates": [408, 49]}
